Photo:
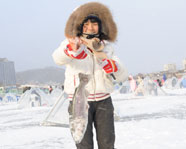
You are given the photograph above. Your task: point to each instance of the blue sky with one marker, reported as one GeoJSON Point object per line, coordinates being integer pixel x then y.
{"type": "Point", "coordinates": [151, 33]}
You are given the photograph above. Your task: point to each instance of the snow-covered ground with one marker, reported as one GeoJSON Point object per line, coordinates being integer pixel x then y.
{"type": "Point", "coordinates": [145, 123]}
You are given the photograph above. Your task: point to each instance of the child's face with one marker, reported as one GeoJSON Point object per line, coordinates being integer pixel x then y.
{"type": "Point", "coordinates": [90, 28]}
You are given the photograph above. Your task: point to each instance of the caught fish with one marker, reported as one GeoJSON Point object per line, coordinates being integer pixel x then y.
{"type": "Point", "coordinates": [79, 117]}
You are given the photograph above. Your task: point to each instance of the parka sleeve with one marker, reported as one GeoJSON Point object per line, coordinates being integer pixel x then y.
{"type": "Point", "coordinates": [59, 56]}
{"type": "Point", "coordinates": [122, 74]}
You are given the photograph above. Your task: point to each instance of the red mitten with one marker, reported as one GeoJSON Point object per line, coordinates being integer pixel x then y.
{"type": "Point", "coordinates": [109, 65]}
{"type": "Point", "coordinates": [79, 54]}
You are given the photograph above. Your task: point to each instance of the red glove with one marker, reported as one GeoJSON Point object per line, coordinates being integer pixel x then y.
{"type": "Point", "coordinates": [109, 65]}
{"type": "Point", "coordinates": [79, 54]}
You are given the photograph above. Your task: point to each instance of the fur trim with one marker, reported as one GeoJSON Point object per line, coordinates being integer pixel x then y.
{"type": "Point", "coordinates": [73, 24]}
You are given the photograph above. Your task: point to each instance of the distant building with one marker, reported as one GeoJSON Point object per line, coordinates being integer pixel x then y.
{"type": "Point", "coordinates": [169, 67]}
{"type": "Point", "coordinates": [184, 63]}
{"type": "Point", "coordinates": [7, 73]}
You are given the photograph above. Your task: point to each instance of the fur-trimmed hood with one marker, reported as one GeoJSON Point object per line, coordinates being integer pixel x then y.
{"type": "Point", "coordinates": [75, 20]}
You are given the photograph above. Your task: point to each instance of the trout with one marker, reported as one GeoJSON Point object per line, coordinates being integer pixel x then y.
{"type": "Point", "coordinates": [79, 117]}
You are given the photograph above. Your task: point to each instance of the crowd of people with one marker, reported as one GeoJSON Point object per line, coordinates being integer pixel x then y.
{"type": "Point", "coordinates": [140, 87]}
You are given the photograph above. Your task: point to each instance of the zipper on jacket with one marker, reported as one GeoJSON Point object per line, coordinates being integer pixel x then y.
{"type": "Point", "coordinates": [93, 72]}
{"type": "Point", "coordinates": [94, 76]}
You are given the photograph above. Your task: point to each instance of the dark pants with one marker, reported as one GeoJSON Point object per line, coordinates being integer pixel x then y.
{"type": "Point", "coordinates": [101, 114]}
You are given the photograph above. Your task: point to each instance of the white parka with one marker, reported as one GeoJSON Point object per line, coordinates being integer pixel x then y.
{"type": "Point", "coordinates": [101, 84]}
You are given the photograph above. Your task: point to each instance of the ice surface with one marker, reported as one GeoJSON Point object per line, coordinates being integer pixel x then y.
{"type": "Point", "coordinates": [151, 122]}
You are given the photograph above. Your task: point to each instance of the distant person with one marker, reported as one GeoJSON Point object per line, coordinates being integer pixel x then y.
{"type": "Point", "coordinates": [140, 91]}
{"type": "Point", "coordinates": [183, 83]}
{"type": "Point", "coordinates": [62, 87]}
{"type": "Point", "coordinates": [50, 89]}
{"type": "Point", "coordinates": [164, 77]}
{"type": "Point", "coordinates": [159, 82]}
{"type": "Point", "coordinates": [132, 82]}
{"type": "Point", "coordinates": [152, 87]}
{"type": "Point", "coordinates": [174, 82]}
